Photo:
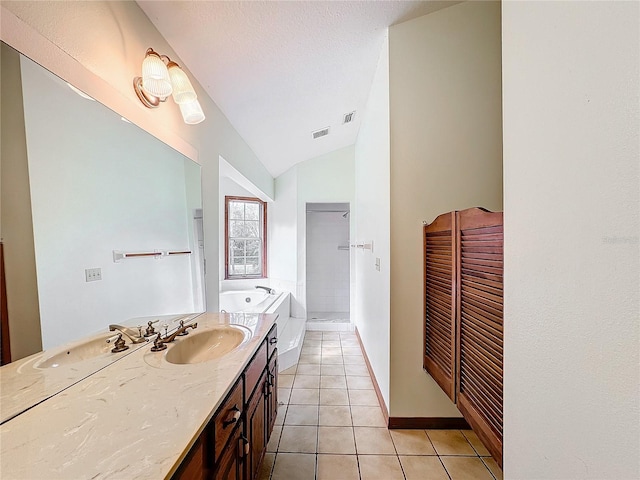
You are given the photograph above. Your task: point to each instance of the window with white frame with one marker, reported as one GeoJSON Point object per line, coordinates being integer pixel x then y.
{"type": "Point", "coordinates": [245, 237]}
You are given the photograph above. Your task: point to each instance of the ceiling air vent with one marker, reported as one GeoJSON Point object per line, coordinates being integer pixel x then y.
{"type": "Point", "coordinates": [320, 133]}
{"type": "Point", "coordinates": [348, 117]}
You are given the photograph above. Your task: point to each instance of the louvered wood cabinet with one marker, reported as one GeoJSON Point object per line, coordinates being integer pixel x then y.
{"type": "Point", "coordinates": [463, 327]}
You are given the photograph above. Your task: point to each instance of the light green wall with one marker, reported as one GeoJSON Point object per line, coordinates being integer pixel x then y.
{"type": "Point", "coordinates": [446, 154]}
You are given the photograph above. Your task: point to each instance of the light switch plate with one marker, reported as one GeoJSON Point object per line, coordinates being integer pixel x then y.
{"type": "Point", "coordinates": [93, 274]}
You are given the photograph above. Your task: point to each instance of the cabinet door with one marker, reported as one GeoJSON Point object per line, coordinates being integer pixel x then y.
{"type": "Point", "coordinates": [272, 393]}
{"type": "Point", "coordinates": [439, 295]}
{"type": "Point", "coordinates": [230, 464]}
{"type": "Point", "coordinates": [192, 467]}
{"type": "Point", "coordinates": [480, 332]}
{"type": "Point", "coordinates": [256, 428]}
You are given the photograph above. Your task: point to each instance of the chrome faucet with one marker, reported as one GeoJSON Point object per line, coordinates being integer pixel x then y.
{"type": "Point", "coordinates": [159, 342]}
{"type": "Point", "coordinates": [135, 337]}
{"type": "Point", "coordinates": [266, 289]}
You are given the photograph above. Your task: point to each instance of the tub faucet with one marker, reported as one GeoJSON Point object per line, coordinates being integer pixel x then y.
{"type": "Point", "coordinates": [135, 337]}
{"type": "Point", "coordinates": [266, 289]}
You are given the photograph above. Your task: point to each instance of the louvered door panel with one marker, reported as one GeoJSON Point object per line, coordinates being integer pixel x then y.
{"type": "Point", "coordinates": [479, 352]}
{"type": "Point", "coordinates": [439, 326]}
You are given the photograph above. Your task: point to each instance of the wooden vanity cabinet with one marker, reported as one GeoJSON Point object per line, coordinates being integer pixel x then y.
{"type": "Point", "coordinates": [234, 442]}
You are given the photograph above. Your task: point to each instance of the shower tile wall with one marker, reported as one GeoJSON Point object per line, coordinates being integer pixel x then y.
{"type": "Point", "coordinates": [327, 267]}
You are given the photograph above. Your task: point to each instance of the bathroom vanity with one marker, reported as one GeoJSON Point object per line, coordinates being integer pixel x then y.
{"type": "Point", "coordinates": [151, 414]}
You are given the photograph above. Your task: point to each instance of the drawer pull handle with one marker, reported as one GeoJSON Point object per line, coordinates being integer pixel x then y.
{"type": "Point", "coordinates": [273, 340]}
{"type": "Point", "coordinates": [244, 447]}
{"type": "Point", "coordinates": [234, 417]}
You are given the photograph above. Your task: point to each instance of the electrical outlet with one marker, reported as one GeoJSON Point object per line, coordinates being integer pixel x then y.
{"type": "Point", "coordinates": [93, 274]}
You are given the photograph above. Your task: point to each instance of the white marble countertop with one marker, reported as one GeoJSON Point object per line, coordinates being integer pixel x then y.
{"type": "Point", "coordinates": [134, 418]}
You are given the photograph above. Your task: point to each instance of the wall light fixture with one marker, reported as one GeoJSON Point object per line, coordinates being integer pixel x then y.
{"type": "Point", "coordinates": [162, 77]}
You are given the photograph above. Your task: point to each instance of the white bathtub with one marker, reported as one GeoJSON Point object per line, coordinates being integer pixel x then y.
{"type": "Point", "coordinates": [290, 330]}
{"type": "Point", "coordinates": [247, 301]}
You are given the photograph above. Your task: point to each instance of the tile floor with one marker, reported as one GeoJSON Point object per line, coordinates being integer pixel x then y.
{"type": "Point", "coordinates": [330, 426]}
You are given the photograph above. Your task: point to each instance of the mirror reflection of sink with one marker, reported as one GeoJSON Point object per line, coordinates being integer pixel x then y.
{"type": "Point", "coordinates": [77, 353]}
{"type": "Point", "coordinates": [207, 345]}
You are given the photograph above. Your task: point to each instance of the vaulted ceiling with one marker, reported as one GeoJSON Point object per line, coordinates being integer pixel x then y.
{"type": "Point", "coordinates": [280, 70]}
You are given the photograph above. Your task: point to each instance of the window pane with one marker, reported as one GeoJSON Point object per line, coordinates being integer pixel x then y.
{"type": "Point", "coordinates": [253, 266]}
{"type": "Point", "coordinates": [236, 269]}
{"type": "Point", "coordinates": [253, 248]}
{"type": "Point", "coordinates": [252, 229]}
{"type": "Point", "coordinates": [252, 211]}
{"type": "Point", "coordinates": [237, 248]}
{"type": "Point", "coordinates": [236, 210]}
{"type": "Point", "coordinates": [236, 228]}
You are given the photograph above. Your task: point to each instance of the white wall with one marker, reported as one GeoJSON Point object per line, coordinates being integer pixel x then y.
{"type": "Point", "coordinates": [446, 154]}
{"type": "Point", "coordinates": [371, 215]}
{"type": "Point", "coordinates": [572, 206]}
{"type": "Point", "coordinates": [99, 184]}
{"type": "Point", "coordinates": [327, 266]}
{"type": "Point", "coordinates": [99, 46]}
{"type": "Point", "coordinates": [325, 179]}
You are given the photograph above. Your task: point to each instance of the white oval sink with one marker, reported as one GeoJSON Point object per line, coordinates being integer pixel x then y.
{"type": "Point", "coordinates": [204, 346]}
{"type": "Point", "coordinates": [77, 353]}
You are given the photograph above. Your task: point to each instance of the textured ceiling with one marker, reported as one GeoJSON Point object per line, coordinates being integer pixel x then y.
{"type": "Point", "coordinates": [282, 69]}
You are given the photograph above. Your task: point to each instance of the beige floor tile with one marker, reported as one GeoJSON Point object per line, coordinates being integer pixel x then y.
{"type": "Point", "coordinates": [333, 381]}
{"type": "Point", "coordinates": [289, 371]}
{"type": "Point", "coordinates": [331, 350]}
{"type": "Point", "coordinates": [356, 370]}
{"type": "Point", "coordinates": [272, 446]}
{"type": "Point", "coordinates": [333, 396]}
{"type": "Point", "coordinates": [363, 397]}
{"type": "Point", "coordinates": [375, 441]}
{"type": "Point", "coordinates": [304, 396]}
{"type": "Point", "coordinates": [359, 383]}
{"type": "Point", "coordinates": [332, 360]}
{"type": "Point", "coordinates": [332, 370]}
{"type": "Point", "coordinates": [266, 466]}
{"type": "Point", "coordinates": [283, 395]}
{"type": "Point", "coordinates": [450, 442]}
{"type": "Point", "coordinates": [306, 381]}
{"type": "Point", "coordinates": [302, 415]}
{"type": "Point", "coordinates": [296, 439]}
{"type": "Point", "coordinates": [338, 467]}
{"type": "Point", "coordinates": [285, 381]}
{"type": "Point", "coordinates": [313, 342]}
{"type": "Point", "coordinates": [330, 336]}
{"type": "Point", "coordinates": [353, 360]}
{"type": "Point", "coordinates": [335, 416]}
{"type": "Point", "coordinates": [378, 467]}
{"type": "Point", "coordinates": [336, 440]}
{"type": "Point", "coordinates": [351, 350]}
{"type": "Point", "coordinates": [282, 411]}
{"type": "Point", "coordinates": [466, 468]}
{"type": "Point", "coordinates": [411, 442]}
{"type": "Point", "coordinates": [493, 466]}
{"type": "Point", "coordinates": [420, 468]}
{"type": "Point", "coordinates": [313, 335]}
{"type": "Point", "coordinates": [308, 369]}
{"type": "Point", "coordinates": [367, 416]}
{"type": "Point", "coordinates": [292, 466]}
{"type": "Point", "coordinates": [309, 359]}
{"type": "Point", "coordinates": [311, 350]}
{"type": "Point", "coordinates": [476, 443]}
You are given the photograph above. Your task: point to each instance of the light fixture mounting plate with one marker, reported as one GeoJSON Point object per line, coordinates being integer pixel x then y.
{"type": "Point", "coordinates": [149, 101]}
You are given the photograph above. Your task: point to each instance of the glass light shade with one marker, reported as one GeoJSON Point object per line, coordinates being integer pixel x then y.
{"type": "Point", "coordinates": [183, 91]}
{"type": "Point", "coordinates": [155, 77]}
{"type": "Point", "coordinates": [191, 112]}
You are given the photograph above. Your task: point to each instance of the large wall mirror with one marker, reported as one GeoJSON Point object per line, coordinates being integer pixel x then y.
{"type": "Point", "coordinates": [96, 185]}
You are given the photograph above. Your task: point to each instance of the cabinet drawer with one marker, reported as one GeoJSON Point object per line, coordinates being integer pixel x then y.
{"type": "Point", "coordinates": [254, 370]}
{"type": "Point", "coordinates": [227, 417]}
{"type": "Point", "coordinates": [272, 340]}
